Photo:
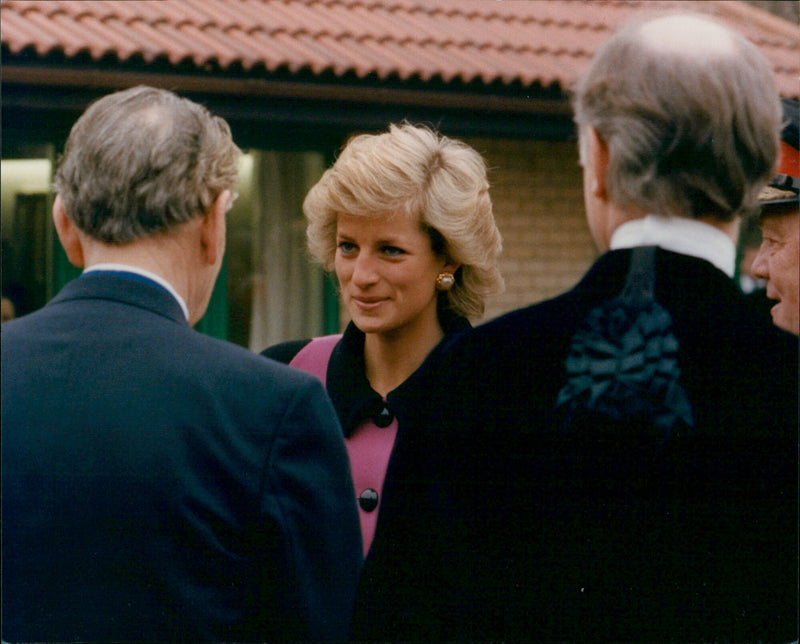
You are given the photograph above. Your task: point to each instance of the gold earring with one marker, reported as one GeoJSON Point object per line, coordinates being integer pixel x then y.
{"type": "Point", "coordinates": [445, 281]}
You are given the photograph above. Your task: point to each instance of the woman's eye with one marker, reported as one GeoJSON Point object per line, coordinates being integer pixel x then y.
{"type": "Point", "coordinates": [392, 251]}
{"type": "Point", "coordinates": [346, 247]}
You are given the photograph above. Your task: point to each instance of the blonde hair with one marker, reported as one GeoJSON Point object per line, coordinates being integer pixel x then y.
{"type": "Point", "coordinates": [414, 171]}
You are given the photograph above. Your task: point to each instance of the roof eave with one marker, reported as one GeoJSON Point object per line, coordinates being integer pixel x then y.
{"type": "Point", "coordinates": [532, 100]}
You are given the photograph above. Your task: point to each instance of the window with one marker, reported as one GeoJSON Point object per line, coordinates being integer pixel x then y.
{"type": "Point", "coordinates": [269, 290]}
{"type": "Point", "coordinates": [27, 232]}
{"type": "Point", "coordinates": [275, 291]}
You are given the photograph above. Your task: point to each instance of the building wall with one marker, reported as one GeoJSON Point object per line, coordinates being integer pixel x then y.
{"type": "Point", "coordinates": [538, 203]}
{"type": "Point", "coordinates": [536, 189]}
{"type": "Point", "coordinates": [537, 197]}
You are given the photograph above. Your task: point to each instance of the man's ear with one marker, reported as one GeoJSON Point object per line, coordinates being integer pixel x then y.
{"type": "Point", "coordinates": [68, 234]}
{"type": "Point", "coordinates": [598, 153]}
{"type": "Point", "coordinates": [213, 228]}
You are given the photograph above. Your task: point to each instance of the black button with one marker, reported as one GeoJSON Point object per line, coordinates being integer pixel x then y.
{"type": "Point", "coordinates": [385, 418]}
{"type": "Point", "coordinates": [368, 500]}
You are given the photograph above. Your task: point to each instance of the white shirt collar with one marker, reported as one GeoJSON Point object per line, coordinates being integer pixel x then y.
{"type": "Point", "coordinates": [125, 268]}
{"type": "Point", "coordinates": [680, 235]}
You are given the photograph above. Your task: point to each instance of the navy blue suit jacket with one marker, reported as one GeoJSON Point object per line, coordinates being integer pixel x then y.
{"type": "Point", "coordinates": [161, 485]}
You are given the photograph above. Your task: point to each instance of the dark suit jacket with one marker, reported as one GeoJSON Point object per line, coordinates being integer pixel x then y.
{"type": "Point", "coordinates": [160, 485]}
{"type": "Point", "coordinates": [605, 534]}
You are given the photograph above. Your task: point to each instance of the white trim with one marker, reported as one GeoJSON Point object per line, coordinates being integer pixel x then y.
{"type": "Point", "coordinates": [680, 235]}
{"type": "Point", "coordinates": [125, 268]}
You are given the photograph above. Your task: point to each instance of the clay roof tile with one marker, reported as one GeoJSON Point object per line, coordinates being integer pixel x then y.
{"type": "Point", "coordinates": [525, 42]}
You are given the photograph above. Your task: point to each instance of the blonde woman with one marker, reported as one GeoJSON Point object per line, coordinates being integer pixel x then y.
{"type": "Point", "coordinates": [405, 220]}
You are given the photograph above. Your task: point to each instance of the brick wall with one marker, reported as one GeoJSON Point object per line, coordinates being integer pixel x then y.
{"type": "Point", "coordinates": [536, 189]}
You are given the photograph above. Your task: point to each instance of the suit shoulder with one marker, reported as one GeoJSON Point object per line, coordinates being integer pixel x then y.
{"type": "Point", "coordinates": [545, 318]}
{"type": "Point", "coordinates": [237, 364]}
{"type": "Point", "coordinates": [285, 351]}
{"type": "Point", "coordinates": [777, 348]}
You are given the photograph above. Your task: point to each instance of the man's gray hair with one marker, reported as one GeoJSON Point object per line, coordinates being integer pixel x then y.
{"type": "Point", "coordinates": [691, 131]}
{"type": "Point", "coordinates": [141, 161]}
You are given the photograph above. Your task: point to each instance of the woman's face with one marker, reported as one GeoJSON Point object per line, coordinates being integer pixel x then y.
{"type": "Point", "coordinates": [387, 273]}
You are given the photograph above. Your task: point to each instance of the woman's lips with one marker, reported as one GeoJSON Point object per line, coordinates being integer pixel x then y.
{"type": "Point", "coordinates": [368, 303]}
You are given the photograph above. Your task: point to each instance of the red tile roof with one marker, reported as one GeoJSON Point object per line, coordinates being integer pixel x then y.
{"type": "Point", "coordinates": [510, 43]}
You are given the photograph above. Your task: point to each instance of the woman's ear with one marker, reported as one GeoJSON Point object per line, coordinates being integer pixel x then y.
{"type": "Point", "coordinates": [68, 234]}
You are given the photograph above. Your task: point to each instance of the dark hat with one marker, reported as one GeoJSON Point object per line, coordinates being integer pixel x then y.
{"type": "Point", "coordinates": [784, 187]}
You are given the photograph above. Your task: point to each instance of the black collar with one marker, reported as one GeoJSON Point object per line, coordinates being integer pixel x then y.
{"type": "Point", "coordinates": [349, 388]}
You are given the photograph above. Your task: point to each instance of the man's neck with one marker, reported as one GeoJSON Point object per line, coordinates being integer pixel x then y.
{"type": "Point", "coordinates": [135, 270]}
{"type": "Point", "coordinates": [162, 258]}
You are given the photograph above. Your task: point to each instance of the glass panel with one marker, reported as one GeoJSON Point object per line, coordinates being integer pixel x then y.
{"type": "Point", "coordinates": [285, 285]}
{"type": "Point", "coordinates": [27, 231]}
{"type": "Point", "coordinates": [269, 289]}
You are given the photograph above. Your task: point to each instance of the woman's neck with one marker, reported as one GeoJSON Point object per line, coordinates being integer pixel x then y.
{"type": "Point", "coordinates": [391, 358]}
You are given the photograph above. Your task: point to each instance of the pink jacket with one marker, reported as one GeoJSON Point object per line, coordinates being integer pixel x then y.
{"type": "Point", "coordinates": [369, 447]}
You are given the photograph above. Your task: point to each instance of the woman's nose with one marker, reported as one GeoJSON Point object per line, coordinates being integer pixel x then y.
{"type": "Point", "coordinates": [364, 271]}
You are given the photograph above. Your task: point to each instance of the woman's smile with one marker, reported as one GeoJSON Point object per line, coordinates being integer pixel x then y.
{"type": "Point", "coordinates": [387, 272]}
{"type": "Point", "coordinates": [368, 303]}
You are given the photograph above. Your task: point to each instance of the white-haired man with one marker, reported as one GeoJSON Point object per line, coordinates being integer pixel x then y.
{"type": "Point", "coordinates": [633, 442]}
